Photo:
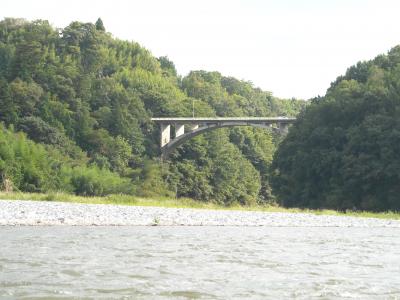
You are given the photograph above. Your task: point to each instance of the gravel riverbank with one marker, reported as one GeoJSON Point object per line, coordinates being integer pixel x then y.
{"type": "Point", "coordinates": [16, 212]}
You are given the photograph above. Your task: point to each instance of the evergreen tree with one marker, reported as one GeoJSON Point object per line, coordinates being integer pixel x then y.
{"type": "Point", "coordinates": [343, 151]}
{"type": "Point", "coordinates": [99, 25]}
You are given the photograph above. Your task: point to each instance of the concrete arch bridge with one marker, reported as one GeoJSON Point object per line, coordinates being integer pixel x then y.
{"type": "Point", "coordinates": [198, 126]}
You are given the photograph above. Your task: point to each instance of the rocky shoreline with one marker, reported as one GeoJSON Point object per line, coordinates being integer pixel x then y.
{"type": "Point", "coordinates": [18, 212]}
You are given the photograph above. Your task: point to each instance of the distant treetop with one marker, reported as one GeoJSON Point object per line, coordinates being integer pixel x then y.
{"type": "Point", "coordinates": [100, 25]}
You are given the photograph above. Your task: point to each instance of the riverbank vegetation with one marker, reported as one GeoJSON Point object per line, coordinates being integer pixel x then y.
{"type": "Point", "coordinates": [75, 109]}
{"type": "Point", "coordinates": [344, 150]}
{"type": "Point", "coordinates": [186, 203]}
{"type": "Point", "coordinates": [76, 103]}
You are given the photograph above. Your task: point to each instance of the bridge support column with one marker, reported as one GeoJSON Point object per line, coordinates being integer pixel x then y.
{"type": "Point", "coordinates": [194, 127]}
{"type": "Point", "coordinates": [283, 128]}
{"type": "Point", "coordinates": [165, 134]}
{"type": "Point", "coordinates": [179, 130]}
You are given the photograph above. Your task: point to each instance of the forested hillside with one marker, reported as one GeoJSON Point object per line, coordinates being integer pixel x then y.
{"type": "Point", "coordinates": [84, 100]}
{"type": "Point", "coordinates": [344, 150]}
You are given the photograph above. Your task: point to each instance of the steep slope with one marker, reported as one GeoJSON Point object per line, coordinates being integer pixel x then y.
{"type": "Point", "coordinates": [344, 151]}
{"type": "Point", "coordinates": [90, 96]}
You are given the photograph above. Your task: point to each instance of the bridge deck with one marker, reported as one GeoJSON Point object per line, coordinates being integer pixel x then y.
{"type": "Point", "coordinates": [260, 120]}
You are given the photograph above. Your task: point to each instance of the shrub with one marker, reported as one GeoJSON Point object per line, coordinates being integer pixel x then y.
{"type": "Point", "coordinates": [93, 181]}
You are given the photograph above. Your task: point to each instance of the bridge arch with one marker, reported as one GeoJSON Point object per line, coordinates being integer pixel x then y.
{"type": "Point", "coordinates": [201, 125]}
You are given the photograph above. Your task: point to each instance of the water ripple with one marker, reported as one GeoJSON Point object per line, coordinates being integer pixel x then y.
{"type": "Point", "coordinates": [199, 263]}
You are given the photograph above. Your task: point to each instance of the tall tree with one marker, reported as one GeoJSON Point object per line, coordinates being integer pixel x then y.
{"type": "Point", "coordinates": [99, 25]}
{"type": "Point", "coordinates": [343, 152]}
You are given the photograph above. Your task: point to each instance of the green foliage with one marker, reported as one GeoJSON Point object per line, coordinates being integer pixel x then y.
{"type": "Point", "coordinates": [216, 170]}
{"type": "Point", "coordinates": [35, 168]}
{"type": "Point", "coordinates": [229, 96]}
{"type": "Point", "coordinates": [233, 177]}
{"type": "Point", "coordinates": [99, 25]}
{"type": "Point", "coordinates": [152, 181]}
{"type": "Point", "coordinates": [84, 99]}
{"type": "Point", "coordinates": [26, 164]}
{"type": "Point", "coordinates": [168, 67]}
{"type": "Point", "coordinates": [343, 152]}
{"type": "Point", "coordinates": [93, 181]}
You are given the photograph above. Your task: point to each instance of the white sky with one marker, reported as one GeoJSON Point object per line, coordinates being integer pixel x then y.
{"type": "Point", "coordinates": [293, 48]}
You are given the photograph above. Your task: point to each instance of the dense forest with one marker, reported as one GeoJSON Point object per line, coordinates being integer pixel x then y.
{"type": "Point", "coordinates": [75, 109]}
{"type": "Point", "coordinates": [344, 150]}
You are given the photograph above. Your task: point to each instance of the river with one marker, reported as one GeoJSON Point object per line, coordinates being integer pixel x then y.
{"type": "Point", "coordinates": [67, 262]}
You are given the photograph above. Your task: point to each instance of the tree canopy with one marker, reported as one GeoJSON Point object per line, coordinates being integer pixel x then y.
{"type": "Point", "coordinates": [88, 97]}
{"type": "Point", "coordinates": [343, 152]}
